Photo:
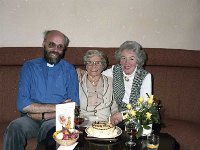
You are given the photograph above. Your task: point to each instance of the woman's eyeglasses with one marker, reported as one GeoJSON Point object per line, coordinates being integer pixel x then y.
{"type": "Point", "coordinates": [96, 63]}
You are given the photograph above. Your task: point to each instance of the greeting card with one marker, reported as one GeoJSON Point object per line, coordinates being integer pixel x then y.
{"type": "Point", "coordinates": [65, 116]}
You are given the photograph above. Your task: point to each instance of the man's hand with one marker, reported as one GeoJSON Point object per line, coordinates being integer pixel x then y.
{"type": "Point", "coordinates": [36, 108]}
{"type": "Point", "coordinates": [67, 101]}
{"type": "Point", "coordinates": [46, 116]}
{"type": "Point", "coordinates": [35, 116]}
{"type": "Point", "coordinates": [116, 118]}
{"type": "Point", "coordinates": [49, 115]}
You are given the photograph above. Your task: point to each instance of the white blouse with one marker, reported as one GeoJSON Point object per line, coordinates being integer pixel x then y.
{"type": "Point", "coordinates": [146, 86]}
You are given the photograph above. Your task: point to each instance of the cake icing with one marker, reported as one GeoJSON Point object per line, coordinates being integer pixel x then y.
{"type": "Point", "coordinates": [102, 129]}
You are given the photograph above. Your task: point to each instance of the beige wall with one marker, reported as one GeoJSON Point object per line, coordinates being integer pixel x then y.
{"type": "Point", "coordinates": [102, 23]}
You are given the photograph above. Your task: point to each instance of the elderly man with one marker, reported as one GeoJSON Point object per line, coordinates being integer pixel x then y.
{"type": "Point", "coordinates": [44, 82]}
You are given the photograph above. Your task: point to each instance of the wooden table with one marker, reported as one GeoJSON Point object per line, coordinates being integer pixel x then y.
{"type": "Point", "coordinates": [167, 142]}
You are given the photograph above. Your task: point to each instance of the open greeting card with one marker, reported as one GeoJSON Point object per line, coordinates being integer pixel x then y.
{"type": "Point", "coordinates": [65, 116]}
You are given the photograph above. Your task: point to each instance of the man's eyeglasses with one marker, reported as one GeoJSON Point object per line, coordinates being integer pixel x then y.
{"type": "Point", "coordinates": [96, 63]}
{"type": "Point", "coordinates": [59, 47]}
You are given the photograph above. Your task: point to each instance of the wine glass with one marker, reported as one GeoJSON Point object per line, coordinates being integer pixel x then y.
{"type": "Point", "coordinates": [152, 142]}
{"type": "Point", "coordinates": [131, 131]}
{"type": "Point", "coordinates": [78, 119]}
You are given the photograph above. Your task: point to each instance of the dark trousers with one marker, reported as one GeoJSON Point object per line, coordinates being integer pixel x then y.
{"type": "Point", "coordinates": [23, 128]}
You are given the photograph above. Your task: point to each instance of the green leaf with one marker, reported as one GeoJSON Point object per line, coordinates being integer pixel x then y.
{"type": "Point", "coordinates": [146, 127]}
{"type": "Point", "coordinates": [139, 133]}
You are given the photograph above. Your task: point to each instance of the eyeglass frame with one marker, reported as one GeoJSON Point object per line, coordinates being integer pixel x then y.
{"type": "Point", "coordinates": [96, 63]}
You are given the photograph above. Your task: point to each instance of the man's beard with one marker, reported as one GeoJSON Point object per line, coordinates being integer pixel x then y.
{"type": "Point", "coordinates": [52, 59]}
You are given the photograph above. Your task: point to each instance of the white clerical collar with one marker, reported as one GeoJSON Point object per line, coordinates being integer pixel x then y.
{"type": "Point", "coordinates": [50, 65]}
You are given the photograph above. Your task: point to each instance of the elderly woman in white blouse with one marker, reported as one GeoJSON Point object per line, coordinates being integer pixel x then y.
{"type": "Point", "coordinates": [130, 80]}
{"type": "Point", "coordinates": [95, 89]}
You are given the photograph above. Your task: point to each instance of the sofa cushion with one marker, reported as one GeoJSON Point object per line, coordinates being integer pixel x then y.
{"type": "Point", "coordinates": [186, 133]}
{"type": "Point", "coordinates": [177, 88]}
{"type": "Point", "coordinates": [9, 83]}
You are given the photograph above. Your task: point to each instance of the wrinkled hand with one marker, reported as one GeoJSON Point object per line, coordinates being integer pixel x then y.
{"type": "Point", "coordinates": [116, 118]}
{"type": "Point", "coordinates": [38, 116]}
{"type": "Point", "coordinates": [67, 101]}
{"type": "Point", "coordinates": [34, 116]}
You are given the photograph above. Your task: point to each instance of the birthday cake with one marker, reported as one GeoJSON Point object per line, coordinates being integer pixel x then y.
{"type": "Point", "coordinates": [101, 129]}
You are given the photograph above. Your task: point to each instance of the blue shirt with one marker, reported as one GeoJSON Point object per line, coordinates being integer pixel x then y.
{"type": "Point", "coordinates": [39, 83]}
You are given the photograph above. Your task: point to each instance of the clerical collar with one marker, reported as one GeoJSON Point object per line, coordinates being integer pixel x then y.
{"type": "Point", "coordinates": [50, 65]}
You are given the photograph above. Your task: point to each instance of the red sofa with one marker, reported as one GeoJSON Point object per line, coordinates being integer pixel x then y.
{"type": "Point", "coordinates": [176, 75]}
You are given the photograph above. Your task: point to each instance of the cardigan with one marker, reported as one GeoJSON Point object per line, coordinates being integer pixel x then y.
{"type": "Point", "coordinates": [104, 109]}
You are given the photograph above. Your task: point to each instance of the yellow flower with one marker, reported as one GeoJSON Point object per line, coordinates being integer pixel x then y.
{"type": "Point", "coordinates": [129, 106]}
{"type": "Point", "coordinates": [151, 97]}
{"type": "Point", "coordinates": [125, 116]}
{"type": "Point", "coordinates": [133, 112]}
{"type": "Point", "coordinates": [141, 113]}
{"type": "Point", "coordinates": [141, 100]}
{"type": "Point", "coordinates": [148, 115]}
{"type": "Point", "coordinates": [150, 100]}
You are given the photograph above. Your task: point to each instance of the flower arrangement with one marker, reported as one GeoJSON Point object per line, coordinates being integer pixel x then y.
{"type": "Point", "coordinates": [143, 113]}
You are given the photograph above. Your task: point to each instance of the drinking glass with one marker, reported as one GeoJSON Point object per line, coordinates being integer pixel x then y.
{"type": "Point", "coordinates": [130, 129]}
{"type": "Point", "coordinates": [152, 142]}
{"type": "Point", "coordinates": [78, 119]}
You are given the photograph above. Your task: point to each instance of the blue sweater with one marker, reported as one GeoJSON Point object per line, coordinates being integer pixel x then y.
{"type": "Point", "coordinates": [47, 85]}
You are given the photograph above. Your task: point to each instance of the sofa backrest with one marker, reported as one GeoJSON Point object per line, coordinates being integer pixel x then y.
{"type": "Point", "coordinates": [176, 77]}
